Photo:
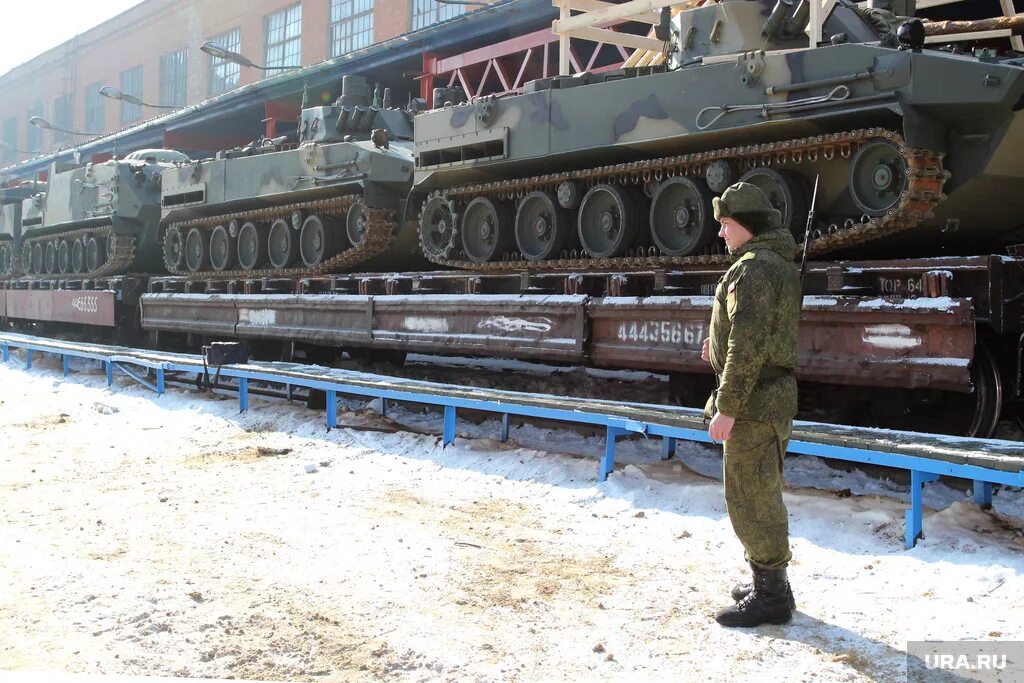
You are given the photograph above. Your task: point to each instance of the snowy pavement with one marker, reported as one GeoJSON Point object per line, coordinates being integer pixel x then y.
{"type": "Point", "coordinates": [174, 537]}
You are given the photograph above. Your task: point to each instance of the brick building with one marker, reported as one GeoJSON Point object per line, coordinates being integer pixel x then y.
{"type": "Point", "coordinates": [152, 51]}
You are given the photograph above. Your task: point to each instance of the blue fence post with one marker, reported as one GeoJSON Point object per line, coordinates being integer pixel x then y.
{"type": "Point", "coordinates": [504, 427]}
{"type": "Point", "coordinates": [110, 373]}
{"type": "Point", "coordinates": [7, 352]}
{"type": "Point", "coordinates": [159, 381]}
{"type": "Point", "coordinates": [28, 359]}
{"type": "Point", "coordinates": [608, 461]}
{"type": "Point", "coordinates": [67, 367]}
{"type": "Point", "coordinates": [288, 392]}
{"type": "Point", "coordinates": [383, 407]}
{"type": "Point", "coordinates": [915, 515]}
{"type": "Point", "coordinates": [668, 447]}
{"type": "Point", "coordinates": [332, 409]}
{"type": "Point", "coordinates": [448, 434]}
{"type": "Point", "coordinates": [983, 493]}
{"type": "Point", "coordinates": [243, 394]}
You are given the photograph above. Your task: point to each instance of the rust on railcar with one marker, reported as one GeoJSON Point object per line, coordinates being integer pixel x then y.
{"type": "Point", "coordinates": [913, 343]}
{"type": "Point", "coordinates": [518, 326]}
{"type": "Point", "coordinates": [63, 306]}
{"type": "Point", "coordinates": [548, 327]}
{"type": "Point", "coordinates": [205, 314]}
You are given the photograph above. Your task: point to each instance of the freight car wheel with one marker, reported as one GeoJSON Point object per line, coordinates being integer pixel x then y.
{"type": "Point", "coordinates": [78, 256]}
{"type": "Point", "coordinates": [197, 252]}
{"type": "Point", "coordinates": [355, 224]}
{"type": "Point", "coordinates": [316, 240]}
{"type": "Point", "coordinates": [787, 192]}
{"type": "Point", "coordinates": [282, 244]}
{"type": "Point", "coordinates": [542, 227]}
{"type": "Point", "coordinates": [608, 221]}
{"type": "Point", "coordinates": [26, 258]}
{"type": "Point", "coordinates": [252, 245]}
{"type": "Point", "coordinates": [878, 177]}
{"type": "Point", "coordinates": [437, 228]}
{"type": "Point", "coordinates": [974, 414]}
{"type": "Point", "coordinates": [222, 249]}
{"type": "Point", "coordinates": [174, 248]}
{"type": "Point", "coordinates": [63, 257]}
{"type": "Point", "coordinates": [95, 253]}
{"type": "Point", "coordinates": [988, 393]}
{"type": "Point", "coordinates": [682, 218]}
{"type": "Point", "coordinates": [50, 258]}
{"type": "Point", "coordinates": [486, 233]}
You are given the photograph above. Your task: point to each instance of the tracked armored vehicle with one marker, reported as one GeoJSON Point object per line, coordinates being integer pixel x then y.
{"type": "Point", "coordinates": [11, 199]}
{"type": "Point", "coordinates": [617, 170]}
{"type": "Point", "coordinates": [98, 219]}
{"type": "Point", "coordinates": [328, 205]}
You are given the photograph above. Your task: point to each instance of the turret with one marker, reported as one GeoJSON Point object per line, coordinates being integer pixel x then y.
{"type": "Point", "coordinates": [354, 116]}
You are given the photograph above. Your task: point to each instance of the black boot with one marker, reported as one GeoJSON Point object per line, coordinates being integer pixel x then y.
{"type": "Point", "coordinates": [767, 603]}
{"type": "Point", "coordinates": [742, 590]}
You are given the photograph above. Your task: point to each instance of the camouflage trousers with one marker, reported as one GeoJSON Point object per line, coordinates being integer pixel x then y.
{"type": "Point", "coordinates": [753, 490]}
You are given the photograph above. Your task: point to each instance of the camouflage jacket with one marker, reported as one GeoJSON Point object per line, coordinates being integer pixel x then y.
{"type": "Point", "coordinates": [754, 331]}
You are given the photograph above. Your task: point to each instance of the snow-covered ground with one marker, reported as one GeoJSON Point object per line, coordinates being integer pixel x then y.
{"type": "Point", "coordinates": [173, 536]}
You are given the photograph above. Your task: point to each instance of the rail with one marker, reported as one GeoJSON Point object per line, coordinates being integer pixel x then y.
{"type": "Point", "coordinates": [925, 456]}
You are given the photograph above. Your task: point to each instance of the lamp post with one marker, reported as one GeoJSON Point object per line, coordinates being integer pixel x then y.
{"type": "Point", "coordinates": [214, 50]}
{"type": "Point", "coordinates": [40, 122]}
{"type": "Point", "coordinates": [115, 94]}
{"type": "Point", "coordinates": [12, 148]}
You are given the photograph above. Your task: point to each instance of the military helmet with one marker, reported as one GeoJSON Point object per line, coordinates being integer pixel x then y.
{"type": "Point", "coordinates": [749, 206]}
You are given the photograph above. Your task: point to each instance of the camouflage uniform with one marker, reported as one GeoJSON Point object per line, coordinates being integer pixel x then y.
{"type": "Point", "coordinates": [753, 352]}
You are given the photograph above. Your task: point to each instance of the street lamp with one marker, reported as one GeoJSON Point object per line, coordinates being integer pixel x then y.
{"type": "Point", "coordinates": [115, 94]}
{"type": "Point", "coordinates": [9, 146]}
{"type": "Point", "coordinates": [40, 122]}
{"type": "Point", "coordinates": [214, 50]}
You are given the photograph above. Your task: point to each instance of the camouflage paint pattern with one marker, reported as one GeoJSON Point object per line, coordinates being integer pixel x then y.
{"type": "Point", "coordinates": [722, 55]}
{"type": "Point", "coordinates": [335, 156]}
{"type": "Point", "coordinates": [752, 471]}
{"type": "Point", "coordinates": [754, 325]}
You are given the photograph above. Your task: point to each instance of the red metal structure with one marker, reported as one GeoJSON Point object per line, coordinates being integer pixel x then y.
{"type": "Point", "coordinates": [506, 66]}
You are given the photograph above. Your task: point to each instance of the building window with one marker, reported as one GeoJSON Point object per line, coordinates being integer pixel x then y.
{"type": "Point", "coordinates": [61, 119]}
{"type": "Point", "coordinates": [224, 74]}
{"type": "Point", "coordinates": [351, 25]}
{"type": "Point", "coordinates": [131, 84]}
{"type": "Point", "coordinates": [173, 72]}
{"type": "Point", "coordinates": [427, 12]}
{"type": "Point", "coordinates": [284, 37]}
{"type": "Point", "coordinates": [95, 112]}
{"type": "Point", "coordinates": [10, 146]}
{"type": "Point", "coordinates": [34, 134]}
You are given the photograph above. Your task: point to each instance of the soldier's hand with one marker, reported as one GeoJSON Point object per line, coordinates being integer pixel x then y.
{"type": "Point", "coordinates": [705, 350]}
{"type": "Point", "coordinates": [720, 428]}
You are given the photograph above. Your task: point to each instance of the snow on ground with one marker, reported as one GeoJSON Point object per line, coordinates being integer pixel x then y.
{"type": "Point", "coordinates": [172, 536]}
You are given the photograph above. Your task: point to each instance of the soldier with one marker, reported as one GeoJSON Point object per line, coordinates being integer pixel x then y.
{"type": "Point", "coordinates": [752, 349]}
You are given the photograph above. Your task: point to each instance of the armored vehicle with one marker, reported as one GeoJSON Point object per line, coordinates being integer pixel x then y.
{"type": "Point", "coordinates": [617, 170]}
{"type": "Point", "coordinates": [96, 219]}
{"type": "Point", "coordinates": [329, 204]}
{"type": "Point", "coordinates": [11, 199]}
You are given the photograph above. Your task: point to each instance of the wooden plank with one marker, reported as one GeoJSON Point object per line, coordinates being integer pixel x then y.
{"type": "Point", "coordinates": [603, 35]}
{"type": "Point", "coordinates": [817, 19]}
{"type": "Point", "coordinates": [611, 14]}
{"type": "Point", "coordinates": [1016, 42]}
{"type": "Point", "coordinates": [976, 35]}
{"type": "Point", "coordinates": [594, 5]}
{"type": "Point", "coordinates": [563, 42]}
